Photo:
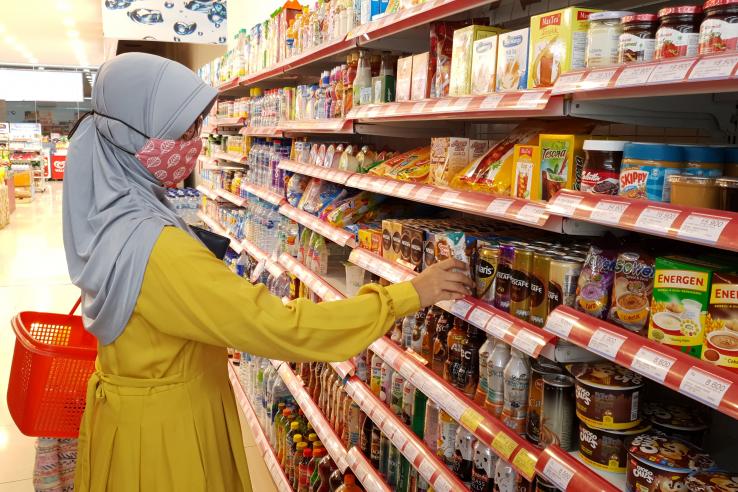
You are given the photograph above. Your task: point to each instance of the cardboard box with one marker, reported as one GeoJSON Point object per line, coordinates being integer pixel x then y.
{"type": "Point", "coordinates": [562, 159]}
{"type": "Point", "coordinates": [484, 65]}
{"type": "Point", "coordinates": [527, 168]}
{"type": "Point", "coordinates": [404, 78]}
{"type": "Point", "coordinates": [387, 227]}
{"type": "Point", "coordinates": [411, 245]}
{"type": "Point", "coordinates": [512, 60]}
{"type": "Point", "coordinates": [430, 238]}
{"type": "Point", "coordinates": [421, 82]}
{"type": "Point", "coordinates": [461, 57]}
{"type": "Point", "coordinates": [558, 44]}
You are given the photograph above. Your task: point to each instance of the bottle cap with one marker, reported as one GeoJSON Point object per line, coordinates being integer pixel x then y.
{"type": "Point", "coordinates": [313, 437]}
{"type": "Point", "coordinates": [349, 479]}
{"type": "Point", "coordinates": [294, 425]}
{"type": "Point", "coordinates": [307, 452]}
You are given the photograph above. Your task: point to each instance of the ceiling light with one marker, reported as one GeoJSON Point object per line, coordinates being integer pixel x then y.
{"type": "Point", "coordinates": [10, 40]}
{"type": "Point", "coordinates": [63, 6]}
{"type": "Point", "coordinates": [73, 33]}
{"type": "Point", "coordinates": [68, 21]}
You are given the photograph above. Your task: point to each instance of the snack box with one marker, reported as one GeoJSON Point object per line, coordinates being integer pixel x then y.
{"type": "Point", "coordinates": [431, 235]}
{"type": "Point", "coordinates": [527, 165]}
{"type": "Point", "coordinates": [680, 301]}
{"type": "Point", "coordinates": [512, 60]}
{"type": "Point", "coordinates": [404, 78]}
{"type": "Point", "coordinates": [461, 57]}
{"type": "Point", "coordinates": [477, 148]}
{"type": "Point", "coordinates": [484, 65]}
{"type": "Point", "coordinates": [558, 44]}
{"type": "Point", "coordinates": [455, 159]}
{"type": "Point", "coordinates": [420, 83]}
{"type": "Point", "coordinates": [720, 345]}
{"type": "Point", "coordinates": [562, 160]}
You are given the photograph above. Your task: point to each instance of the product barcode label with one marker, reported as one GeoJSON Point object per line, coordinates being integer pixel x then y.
{"type": "Point", "coordinates": [499, 206]}
{"type": "Point", "coordinates": [702, 227]}
{"type": "Point", "coordinates": [528, 342]}
{"type": "Point", "coordinates": [479, 317]}
{"type": "Point", "coordinates": [704, 386]}
{"type": "Point", "coordinates": [558, 473]}
{"type": "Point", "coordinates": [498, 327]}
{"type": "Point", "coordinates": [491, 102]}
{"type": "Point", "coordinates": [656, 219]}
{"type": "Point", "coordinates": [606, 343]}
{"type": "Point", "coordinates": [652, 364]}
{"type": "Point", "coordinates": [565, 205]}
{"type": "Point", "coordinates": [559, 324]}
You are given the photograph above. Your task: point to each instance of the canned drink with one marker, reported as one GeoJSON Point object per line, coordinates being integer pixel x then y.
{"type": "Point", "coordinates": [498, 359]}
{"type": "Point", "coordinates": [520, 283]}
{"type": "Point", "coordinates": [487, 259]}
{"type": "Point", "coordinates": [517, 384]}
{"type": "Point", "coordinates": [430, 431]}
{"type": "Point", "coordinates": [558, 412]}
{"type": "Point", "coordinates": [408, 400]}
{"type": "Point", "coordinates": [503, 276]}
{"type": "Point", "coordinates": [539, 368]}
{"type": "Point", "coordinates": [483, 471]}
{"type": "Point", "coordinates": [539, 288]}
{"type": "Point", "coordinates": [398, 382]}
{"type": "Point", "coordinates": [562, 281]}
{"type": "Point", "coordinates": [447, 428]}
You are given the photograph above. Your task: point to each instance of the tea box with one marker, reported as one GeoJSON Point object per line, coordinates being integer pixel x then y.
{"type": "Point", "coordinates": [404, 78]}
{"type": "Point", "coordinates": [720, 345]}
{"type": "Point", "coordinates": [558, 44]}
{"type": "Point", "coordinates": [420, 82]}
{"type": "Point", "coordinates": [512, 60]}
{"type": "Point", "coordinates": [562, 161]}
{"type": "Point", "coordinates": [461, 57]}
{"type": "Point", "coordinates": [527, 166]}
{"type": "Point", "coordinates": [484, 65]}
{"type": "Point", "coordinates": [681, 296]}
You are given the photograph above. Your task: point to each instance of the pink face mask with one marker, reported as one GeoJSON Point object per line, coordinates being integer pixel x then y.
{"type": "Point", "coordinates": [170, 161]}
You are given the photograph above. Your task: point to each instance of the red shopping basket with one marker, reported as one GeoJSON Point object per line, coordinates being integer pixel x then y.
{"type": "Point", "coordinates": [54, 357]}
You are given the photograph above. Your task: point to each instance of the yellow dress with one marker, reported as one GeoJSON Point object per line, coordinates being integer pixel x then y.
{"type": "Point", "coordinates": [160, 412]}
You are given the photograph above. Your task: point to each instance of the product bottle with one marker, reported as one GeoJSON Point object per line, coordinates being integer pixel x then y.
{"type": "Point", "coordinates": [430, 425]}
{"type": "Point", "coordinates": [447, 428]}
{"type": "Point", "coordinates": [376, 375]}
{"type": "Point", "coordinates": [305, 471]}
{"type": "Point", "coordinates": [408, 402]}
{"type": "Point", "coordinates": [363, 82]}
{"type": "Point", "coordinates": [462, 460]}
{"type": "Point", "coordinates": [483, 471]}
{"type": "Point", "coordinates": [429, 332]}
{"type": "Point", "coordinates": [481, 393]}
{"type": "Point", "coordinates": [455, 345]}
{"type": "Point", "coordinates": [292, 455]}
{"type": "Point", "coordinates": [277, 428]}
{"type": "Point", "coordinates": [496, 363]}
{"type": "Point", "coordinates": [297, 460]}
{"type": "Point", "coordinates": [375, 454]}
{"type": "Point", "coordinates": [440, 340]}
{"type": "Point", "coordinates": [336, 480]}
{"type": "Point", "coordinates": [393, 467]}
{"type": "Point", "coordinates": [349, 484]}
{"type": "Point", "coordinates": [365, 437]}
{"type": "Point", "coordinates": [325, 469]}
{"type": "Point", "coordinates": [289, 438]}
{"type": "Point", "coordinates": [386, 383]}
{"type": "Point", "coordinates": [352, 63]}
{"type": "Point", "coordinates": [384, 449]}
{"type": "Point", "coordinates": [468, 373]}
{"type": "Point", "coordinates": [416, 336]}
{"type": "Point", "coordinates": [408, 325]}
{"type": "Point", "coordinates": [318, 455]}
{"type": "Point", "coordinates": [517, 385]}
{"type": "Point", "coordinates": [396, 333]}
{"type": "Point", "coordinates": [395, 403]}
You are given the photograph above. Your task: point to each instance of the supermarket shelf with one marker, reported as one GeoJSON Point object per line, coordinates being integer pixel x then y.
{"type": "Point", "coordinates": [234, 199]}
{"type": "Point", "coordinates": [322, 52]}
{"type": "Point", "coordinates": [263, 193]}
{"type": "Point", "coordinates": [261, 131]}
{"type": "Point", "coordinates": [207, 192]}
{"type": "Point", "coordinates": [536, 103]}
{"type": "Point", "coordinates": [335, 175]}
{"type": "Point", "coordinates": [261, 441]}
{"type": "Point", "coordinates": [696, 75]}
{"type": "Point", "coordinates": [702, 226]}
{"type": "Point", "coordinates": [329, 125]}
{"type": "Point", "coordinates": [224, 121]}
{"type": "Point", "coordinates": [228, 85]}
{"type": "Point", "coordinates": [227, 156]}
{"type": "Point", "coordinates": [418, 455]}
{"type": "Point", "coordinates": [218, 229]}
{"type": "Point", "coordinates": [335, 234]}
{"type": "Point", "coordinates": [312, 280]}
{"type": "Point", "coordinates": [394, 272]}
{"type": "Point", "coordinates": [617, 479]}
{"type": "Point", "coordinates": [712, 385]}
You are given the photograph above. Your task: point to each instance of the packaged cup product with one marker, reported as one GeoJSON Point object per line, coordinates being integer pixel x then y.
{"type": "Point", "coordinates": [712, 481]}
{"type": "Point", "coordinates": [595, 282]}
{"type": "Point", "coordinates": [607, 449]}
{"type": "Point", "coordinates": [720, 345]}
{"type": "Point", "coordinates": [683, 421]}
{"type": "Point", "coordinates": [512, 60]}
{"type": "Point", "coordinates": [631, 291]}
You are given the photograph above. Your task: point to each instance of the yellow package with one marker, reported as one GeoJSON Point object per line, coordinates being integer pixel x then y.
{"type": "Point", "coordinates": [365, 239]}
{"type": "Point", "coordinates": [410, 166]}
{"type": "Point", "coordinates": [562, 161]}
{"type": "Point", "coordinates": [558, 44]}
{"type": "Point", "coordinates": [527, 165]}
{"type": "Point", "coordinates": [461, 57]}
{"type": "Point", "coordinates": [455, 159]}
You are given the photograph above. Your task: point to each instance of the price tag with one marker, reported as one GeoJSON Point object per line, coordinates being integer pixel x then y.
{"type": "Point", "coordinates": [460, 104]}
{"type": "Point", "coordinates": [703, 227]}
{"type": "Point", "coordinates": [598, 78]}
{"type": "Point", "coordinates": [491, 101]}
{"type": "Point", "coordinates": [565, 205]}
{"type": "Point", "coordinates": [525, 462]}
{"type": "Point", "coordinates": [670, 72]}
{"type": "Point", "coordinates": [558, 473]}
{"type": "Point", "coordinates": [704, 386]}
{"type": "Point", "coordinates": [656, 219]}
{"type": "Point", "coordinates": [423, 193]}
{"type": "Point", "coordinates": [499, 206]}
{"type": "Point", "coordinates": [713, 67]}
{"type": "Point", "coordinates": [449, 197]}
{"type": "Point", "coordinates": [418, 108]}
{"type": "Point", "coordinates": [411, 452]}
{"type": "Point", "coordinates": [652, 364]}
{"type": "Point", "coordinates": [426, 469]}
{"type": "Point", "coordinates": [606, 343]}
{"type": "Point", "coordinates": [531, 213]}
{"type": "Point", "coordinates": [498, 327]}
{"type": "Point", "coordinates": [567, 82]}
{"type": "Point", "coordinates": [471, 419]}
{"type": "Point", "coordinates": [442, 485]}
{"type": "Point", "coordinates": [388, 187]}
{"type": "Point", "coordinates": [406, 189]}
{"type": "Point", "coordinates": [479, 317]}
{"type": "Point", "coordinates": [450, 403]}
{"type": "Point", "coordinates": [460, 308]}
{"type": "Point", "coordinates": [608, 211]}
{"type": "Point", "coordinates": [399, 439]}
{"type": "Point", "coordinates": [532, 100]}
{"type": "Point", "coordinates": [503, 445]}
{"type": "Point", "coordinates": [528, 342]}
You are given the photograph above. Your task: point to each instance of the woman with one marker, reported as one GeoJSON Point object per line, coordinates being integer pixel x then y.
{"type": "Point", "coordinates": [160, 411]}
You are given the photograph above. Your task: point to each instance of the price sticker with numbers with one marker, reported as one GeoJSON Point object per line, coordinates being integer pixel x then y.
{"type": "Point", "coordinates": [652, 364]}
{"type": "Point", "coordinates": [499, 206]}
{"type": "Point", "coordinates": [426, 469]}
{"type": "Point", "coordinates": [703, 227]}
{"type": "Point", "coordinates": [704, 386]}
{"type": "Point", "coordinates": [558, 473]}
{"type": "Point", "coordinates": [460, 308]}
{"type": "Point", "coordinates": [656, 219]}
{"type": "Point", "coordinates": [608, 211]}
{"type": "Point", "coordinates": [528, 342]}
{"type": "Point", "coordinates": [491, 102]}
{"type": "Point", "coordinates": [606, 343]}
{"type": "Point", "coordinates": [713, 67]}
{"type": "Point", "coordinates": [559, 324]}
{"type": "Point", "coordinates": [598, 78]}
{"type": "Point", "coordinates": [565, 205]}
{"type": "Point", "coordinates": [635, 75]}
{"type": "Point", "coordinates": [423, 193]}
{"type": "Point", "coordinates": [499, 327]}
{"type": "Point", "coordinates": [504, 445]}
{"type": "Point", "coordinates": [670, 72]}
{"type": "Point", "coordinates": [532, 213]}
{"type": "Point", "coordinates": [479, 317]}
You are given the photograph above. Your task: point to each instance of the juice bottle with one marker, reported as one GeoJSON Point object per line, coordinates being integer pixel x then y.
{"type": "Point", "coordinates": [352, 63]}
{"type": "Point", "coordinates": [349, 484]}
{"type": "Point", "coordinates": [362, 86]}
{"type": "Point", "coordinates": [289, 439]}
{"type": "Point", "coordinates": [335, 480]}
{"type": "Point", "coordinates": [454, 346]}
{"type": "Point", "coordinates": [468, 374]}
{"type": "Point", "coordinates": [429, 333]}
{"type": "Point", "coordinates": [289, 456]}
{"type": "Point", "coordinates": [294, 476]}
{"type": "Point", "coordinates": [318, 455]}
{"type": "Point", "coordinates": [385, 391]}
{"type": "Point", "coordinates": [303, 482]}
{"type": "Point", "coordinates": [325, 469]}
{"type": "Point", "coordinates": [279, 424]}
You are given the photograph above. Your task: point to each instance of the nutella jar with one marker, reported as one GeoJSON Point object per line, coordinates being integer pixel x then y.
{"type": "Point", "coordinates": [719, 30]}
{"type": "Point", "coordinates": [679, 32]}
{"type": "Point", "coordinates": [601, 171]}
{"type": "Point", "coordinates": [638, 40]}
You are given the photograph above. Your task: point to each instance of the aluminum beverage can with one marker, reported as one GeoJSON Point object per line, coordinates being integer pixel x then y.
{"type": "Point", "coordinates": [496, 363]}
{"type": "Point", "coordinates": [447, 427]}
{"type": "Point", "coordinates": [483, 470]}
{"type": "Point", "coordinates": [522, 270]}
{"type": "Point", "coordinates": [558, 412]}
{"type": "Point", "coordinates": [539, 288]}
{"type": "Point", "coordinates": [398, 381]}
{"type": "Point", "coordinates": [430, 430]}
{"type": "Point", "coordinates": [539, 368]}
{"type": "Point", "coordinates": [517, 384]}
{"type": "Point", "coordinates": [562, 281]}
{"type": "Point", "coordinates": [502, 277]}
{"type": "Point", "coordinates": [487, 259]}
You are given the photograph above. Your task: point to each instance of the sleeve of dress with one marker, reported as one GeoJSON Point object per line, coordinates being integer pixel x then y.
{"type": "Point", "coordinates": [189, 293]}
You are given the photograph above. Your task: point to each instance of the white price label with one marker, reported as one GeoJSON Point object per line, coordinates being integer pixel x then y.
{"type": "Point", "coordinates": [656, 219]}
{"type": "Point", "coordinates": [652, 364]}
{"type": "Point", "coordinates": [565, 205]}
{"type": "Point", "coordinates": [670, 72]}
{"type": "Point", "coordinates": [411, 452]}
{"type": "Point", "coordinates": [598, 78]}
{"type": "Point", "coordinates": [606, 343]}
{"type": "Point", "coordinates": [479, 317]}
{"type": "Point", "coordinates": [567, 82]}
{"type": "Point", "coordinates": [442, 485]}
{"type": "Point", "coordinates": [714, 67]}
{"type": "Point", "coordinates": [528, 342]}
{"type": "Point", "coordinates": [499, 206]}
{"type": "Point", "coordinates": [418, 108]}
{"type": "Point", "coordinates": [460, 308]}
{"type": "Point", "coordinates": [704, 386]}
{"type": "Point", "coordinates": [388, 187]}
{"type": "Point", "coordinates": [451, 405]}
{"type": "Point", "coordinates": [389, 428]}
{"type": "Point", "coordinates": [426, 469]}
{"type": "Point", "coordinates": [399, 439]}
{"type": "Point", "coordinates": [491, 102]}
{"type": "Point", "coordinates": [608, 211]}
{"type": "Point", "coordinates": [423, 192]}
{"type": "Point", "coordinates": [703, 227]}
{"type": "Point", "coordinates": [391, 356]}
{"type": "Point", "coordinates": [532, 100]}
{"type": "Point", "coordinates": [460, 104]}
{"type": "Point", "coordinates": [406, 189]}
{"type": "Point", "coordinates": [532, 213]}
{"type": "Point", "coordinates": [558, 473]}
{"type": "Point", "coordinates": [449, 198]}
{"type": "Point", "coordinates": [498, 327]}
{"type": "Point", "coordinates": [559, 324]}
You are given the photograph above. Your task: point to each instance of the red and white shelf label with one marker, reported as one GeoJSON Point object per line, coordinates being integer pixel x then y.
{"type": "Point", "coordinates": [558, 473]}
{"type": "Point", "coordinates": [714, 67]}
{"type": "Point", "coordinates": [499, 327]}
{"type": "Point", "coordinates": [703, 227]}
{"type": "Point", "coordinates": [608, 211]}
{"type": "Point", "coordinates": [606, 343]}
{"type": "Point", "coordinates": [656, 219]}
{"type": "Point", "coordinates": [652, 364]}
{"type": "Point", "coordinates": [704, 386]}
{"type": "Point", "coordinates": [634, 75]}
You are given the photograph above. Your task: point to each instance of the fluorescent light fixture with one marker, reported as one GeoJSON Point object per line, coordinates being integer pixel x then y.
{"type": "Point", "coordinates": [63, 6]}
{"type": "Point", "coordinates": [40, 85]}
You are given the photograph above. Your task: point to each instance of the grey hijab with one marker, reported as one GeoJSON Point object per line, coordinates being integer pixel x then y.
{"type": "Point", "coordinates": [113, 208]}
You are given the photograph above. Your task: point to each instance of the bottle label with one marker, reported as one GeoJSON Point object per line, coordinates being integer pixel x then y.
{"type": "Point", "coordinates": [671, 43]}
{"type": "Point", "coordinates": [634, 48]}
{"type": "Point", "coordinates": [600, 181]}
{"type": "Point", "coordinates": [717, 36]}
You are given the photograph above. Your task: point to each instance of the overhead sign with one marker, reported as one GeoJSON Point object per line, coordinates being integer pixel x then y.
{"type": "Point", "coordinates": [36, 85]}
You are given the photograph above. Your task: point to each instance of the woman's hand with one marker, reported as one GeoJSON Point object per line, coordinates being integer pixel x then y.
{"type": "Point", "coordinates": [442, 281]}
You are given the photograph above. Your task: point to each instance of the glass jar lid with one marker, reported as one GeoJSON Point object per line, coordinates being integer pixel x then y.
{"type": "Point", "coordinates": [693, 180]}
{"type": "Point", "coordinates": [727, 182]}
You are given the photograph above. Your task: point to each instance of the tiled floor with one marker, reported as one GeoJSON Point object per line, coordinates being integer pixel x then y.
{"type": "Point", "coordinates": [33, 277]}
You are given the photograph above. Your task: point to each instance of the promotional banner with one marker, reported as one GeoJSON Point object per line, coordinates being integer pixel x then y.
{"type": "Point", "coordinates": [181, 21]}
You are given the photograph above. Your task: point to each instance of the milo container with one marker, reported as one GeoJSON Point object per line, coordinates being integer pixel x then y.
{"type": "Point", "coordinates": [673, 419]}
{"type": "Point", "coordinates": [712, 481]}
{"type": "Point", "coordinates": [607, 449]}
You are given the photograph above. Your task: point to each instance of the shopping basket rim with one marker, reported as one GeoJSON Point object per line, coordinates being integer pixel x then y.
{"type": "Point", "coordinates": [22, 335]}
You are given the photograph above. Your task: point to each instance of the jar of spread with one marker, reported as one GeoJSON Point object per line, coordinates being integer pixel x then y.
{"type": "Point", "coordinates": [703, 161]}
{"type": "Point", "coordinates": [728, 194]}
{"type": "Point", "coordinates": [719, 30]}
{"type": "Point", "coordinates": [638, 40]}
{"type": "Point", "coordinates": [645, 170]}
{"type": "Point", "coordinates": [679, 32]}
{"type": "Point", "coordinates": [694, 191]}
{"type": "Point", "coordinates": [601, 172]}
{"type": "Point", "coordinates": [730, 168]}
{"type": "Point", "coordinates": [603, 38]}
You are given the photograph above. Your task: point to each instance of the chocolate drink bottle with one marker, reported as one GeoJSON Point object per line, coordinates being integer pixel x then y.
{"type": "Point", "coordinates": [468, 373]}
{"type": "Point", "coordinates": [440, 341]}
{"type": "Point", "coordinates": [454, 346]}
{"type": "Point", "coordinates": [326, 466]}
{"type": "Point", "coordinates": [429, 333]}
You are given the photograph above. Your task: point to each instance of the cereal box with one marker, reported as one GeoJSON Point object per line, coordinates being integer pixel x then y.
{"type": "Point", "coordinates": [562, 159]}
{"type": "Point", "coordinates": [512, 60]}
{"type": "Point", "coordinates": [558, 44]}
{"type": "Point", "coordinates": [404, 78]}
{"type": "Point", "coordinates": [720, 345]}
{"type": "Point", "coordinates": [484, 65]}
{"type": "Point", "coordinates": [421, 84]}
{"type": "Point", "coordinates": [527, 166]}
{"type": "Point", "coordinates": [681, 296]}
{"type": "Point", "coordinates": [461, 57]}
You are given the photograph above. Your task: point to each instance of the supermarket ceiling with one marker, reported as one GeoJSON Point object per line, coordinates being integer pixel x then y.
{"type": "Point", "coordinates": [52, 32]}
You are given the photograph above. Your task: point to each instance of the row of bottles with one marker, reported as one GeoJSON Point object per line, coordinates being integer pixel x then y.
{"type": "Point", "coordinates": [263, 160]}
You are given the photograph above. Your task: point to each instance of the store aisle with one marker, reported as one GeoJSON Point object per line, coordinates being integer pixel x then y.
{"type": "Point", "coordinates": [34, 277]}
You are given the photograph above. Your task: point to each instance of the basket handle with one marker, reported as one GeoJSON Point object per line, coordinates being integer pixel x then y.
{"type": "Point", "coordinates": [76, 305]}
